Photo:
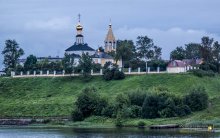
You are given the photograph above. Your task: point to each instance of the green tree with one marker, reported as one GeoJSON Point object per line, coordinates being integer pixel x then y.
{"type": "Point", "coordinates": [157, 53]}
{"type": "Point", "coordinates": [178, 54]}
{"type": "Point", "coordinates": [150, 107]}
{"type": "Point", "coordinates": [12, 52]}
{"type": "Point", "coordinates": [216, 53]}
{"type": "Point", "coordinates": [85, 63]}
{"type": "Point", "coordinates": [68, 63]}
{"type": "Point", "coordinates": [89, 102]}
{"type": "Point", "coordinates": [30, 62]}
{"type": "Point", "coordinates": [43, 64]}
{"type": "Point", "coordinates": [56, 65]}
{"type": "Point", "coordinates": [121, 101]}
{"type": "Point", "coordinates": [192, 51]}
{"type": "Point", "coordinates": [146, 48]}
{"type": "Point", "coordinates": [124, 50]}
{"type": "Point", "coordinates": [197, 99]}
{"type": "Point", "coordinates": [206, 48]}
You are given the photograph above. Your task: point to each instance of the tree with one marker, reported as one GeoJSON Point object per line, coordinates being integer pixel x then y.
{"type": "Point", "coordinates": [89, 102]}
{"type": "Point", "coordinates": [30, 62]}
{"type": "Point", "coordinates": [121, 101]}
{"type": "Point", "coordinates": [124, 50]}
{"type": "Point", "coordinates": [192, 51]}
{"type": "Point", "coordinates": [85, 63]}
{"type": "Point", "coordinates": [216, 53]}
{"type": "Point", "coordinates": [197, 99]}
{"type": "Point", "coordinates": [146, 48]}
{"type": "Point", "coordinates": [178, 54]}
{"type": "Point", "coordinates": [150, 107]}
{"type": "Point", "coordinates": [157, 53]}
{"type": "Point", "coordinates": [12, 52]}
{"type": "Point", "coordinates": [68, 63]}
{"type": "Point", "coordinates": [43, 64]}
{"type": "Point", "coordinates": [206, 48]}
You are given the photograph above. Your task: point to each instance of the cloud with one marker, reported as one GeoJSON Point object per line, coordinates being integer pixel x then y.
{"type": "Point", "coordinates": [51, 24]}
{"type": "Point", "coordinates": [47, 27]}
{"type": "Point", "coordinates": [168, 39]}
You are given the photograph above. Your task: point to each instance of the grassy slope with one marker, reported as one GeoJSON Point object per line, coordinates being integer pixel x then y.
{"type": "Point", "coordinates": [44, 97]}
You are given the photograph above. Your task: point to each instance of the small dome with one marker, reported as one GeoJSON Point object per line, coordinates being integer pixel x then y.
{"type": "Point", "coordinates": [79, 27]}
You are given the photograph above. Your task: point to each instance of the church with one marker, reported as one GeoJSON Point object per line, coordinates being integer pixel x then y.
{"type": "Point", "coordinates": [99, 57]}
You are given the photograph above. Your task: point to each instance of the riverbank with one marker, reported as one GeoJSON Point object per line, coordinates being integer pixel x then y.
{"type": "Point", "coordinates": [53, 98]}
{"type": "Point", "coordinates": [102, 122]}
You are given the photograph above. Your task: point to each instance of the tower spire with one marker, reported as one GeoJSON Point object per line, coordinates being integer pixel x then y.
{"type": "Point", "coordinates": [79, 17]}
{"type": "Point", "coordinates": [79, 28]}
{"type": "Point", "coordinates": [110, 42]}
{"type": "Point", "coordinates": [110, 23]}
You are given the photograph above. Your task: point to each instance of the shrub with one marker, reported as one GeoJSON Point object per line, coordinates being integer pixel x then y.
{"type": "Point", "coordinates": [209, 66]}
{"type": "Point", "coordinates": [121, 101]}
{"type": "Point", "coordinates": [108, 74]}
{"type": "Point", "coordinates": [136, 111]}
{"type": "Point", "coordinates": [169, 110]}
{"type": "Point", "coordinates": [118, 75]}
{"type": "Point", "coordinates": [203, 73]}
{"type": "Point", "coordinates": [90, 103]}
{"type": "Point", "coordinates": [77, 115]}
{"type": "Point", "coordinates": [150, 107]}
{"type": "Point", "coordinates": [109, 111]}
{"type": "Point", "coordinates": [126, 112]}
{"type": "Point", "coordinates": [183, 110]}
{"type": "Point", "coordinates": [96, 67]}
{"type": "Point", "coordinates": [141, 124]}
{"type": "Point", "coordinates": [46, 121]}
{"type": "Point", "coordinates": [115, 74]}
{"type": "Point", "coordinates": [101, 104]}
{"type": "Point", "coordinates": [197, 99]}
{"type": "Point", "coordinates": [164, 105]}
{"type": "Point", "coordinates": [137, 97]}
{"type": "Point", "coordinates": [118, 121]}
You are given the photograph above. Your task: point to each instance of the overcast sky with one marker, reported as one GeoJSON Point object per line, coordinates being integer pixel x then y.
{"type": "Point", "coordinates": [47, 27]}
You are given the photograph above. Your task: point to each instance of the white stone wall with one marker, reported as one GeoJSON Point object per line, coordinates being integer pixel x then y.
{"type": "Point", "coordinates": [176, 69]}
{"type": "Point", "coordinates": [80, 52]}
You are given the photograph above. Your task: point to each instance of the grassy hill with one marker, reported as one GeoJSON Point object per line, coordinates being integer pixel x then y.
{"type": "Point", "coordinates": [48, 97]}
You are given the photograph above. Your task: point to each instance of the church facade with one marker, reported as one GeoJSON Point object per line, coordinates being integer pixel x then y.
{"type": "Point", "coordinates": [99, 57]}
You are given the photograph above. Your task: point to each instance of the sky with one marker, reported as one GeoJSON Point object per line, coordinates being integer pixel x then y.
{"type": "Point", "coordinates": [47, 27]}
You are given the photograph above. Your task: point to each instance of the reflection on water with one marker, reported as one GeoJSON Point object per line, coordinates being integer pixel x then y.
{"type": "Point", "coordinates": [22, 132]}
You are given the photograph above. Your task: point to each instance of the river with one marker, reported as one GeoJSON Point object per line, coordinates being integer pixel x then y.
{"type": "Point", "coordinates": [30, 132]}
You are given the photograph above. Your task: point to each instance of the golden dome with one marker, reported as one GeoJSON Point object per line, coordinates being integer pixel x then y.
{"type": "Point", "coordinates": [79, 27]}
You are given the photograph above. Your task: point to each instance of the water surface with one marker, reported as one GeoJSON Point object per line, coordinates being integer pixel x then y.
{"type": "Point", "coordinates": [27, 132]}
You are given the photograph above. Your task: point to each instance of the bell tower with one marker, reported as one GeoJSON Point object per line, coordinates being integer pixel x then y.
{"type": "Point", "coordinates": [110, 43]}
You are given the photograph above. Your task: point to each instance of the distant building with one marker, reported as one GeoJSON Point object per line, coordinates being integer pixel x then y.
{"type": "Point", "coordinates": [110, 42]}
{"type": "Point", "coordinates": [79, 46]}
{"type": "Point", "coordinates": [101, 57]}
{"type": "Point", "coordinates": [176, 66]}
{"type": "Point", "coordinates": [39, 59]}
{"type": "Point", "coordinates": [192, 62]}
{"type": "Point", "coordinates": [98, 57]}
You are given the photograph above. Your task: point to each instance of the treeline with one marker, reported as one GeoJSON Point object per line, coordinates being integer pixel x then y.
{"type": "Point", "coordinates": [132, 55]}
{"type": "Point", "coordinates": [154, 103]}
{"type": "Point", "coordinates": [136, 55]}
{"type": "Point", "coordinates": [207, 49]}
